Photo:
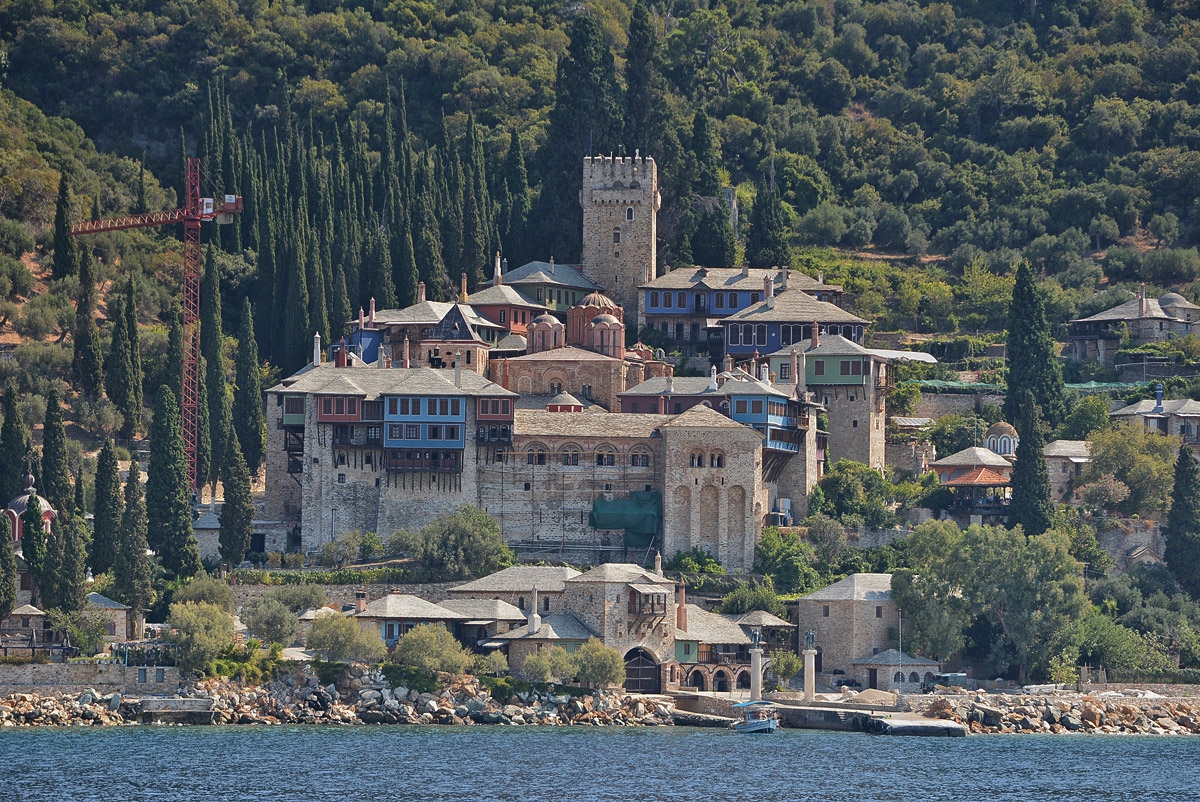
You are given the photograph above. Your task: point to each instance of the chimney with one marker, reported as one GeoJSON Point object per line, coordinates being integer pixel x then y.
{"type": "Point", "coordinates": [727, 365]}
{"type": "Point", "coordinates": [768, 286]}
{"type": "Point", "coordinates": [820, 276]}
{"type": "Point", "coordinates": [552, 264]}
{"type": "Point", "coordinates": [784, 285]}
{"type": "Point", "coordinates": [681, 622]}
{"type": "Point", "coordinates": [462, 292]}
{"type": "Point", "coordinates": [361, 320]}
{"type": "Point", "coordinates": [497, 274]}
{"type": "Point", "coordinates": [794, 365]}
{"type": "Point", "coordinates": [764, 372]}
{"type": "Point", "coordinates": [1158, 398]}
{"type": "Point", "coordinates": [317, 350]}
{"type": "Point", "coordinates": [670, 385]}
{"type": "Point", "coordinates": [339, 353]}
{"type": "Point", "coordinates": [458, 368]}
{"type": "Point", "coordinates": [1142, 300]}
{"type": "Point", "coordinates": [816, 335]}
{"type": "Point", "coordinates": [745, 270]}
{"type": "Point", "coordinates": [420, 292]}
{"type": "Point", "coordinates": [712, 379]}
{"type": "Point", "coordinates": [360, 601]}
{"type": "Point", "coordinates": [658, 563]}
{"type": "Point", "coordinates": [372, 314]}
{"type": "Point", "coordinates": [535, 620]}
{"type": "Point", "coordinates": [406, 358]}
{"type": "Point", "coordinates": [802, 376]}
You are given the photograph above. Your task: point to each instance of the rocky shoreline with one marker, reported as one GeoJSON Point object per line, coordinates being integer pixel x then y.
{"type": "Point", "coordinates": [361, 696]}
{"type": "Point", "coordinates": [1067, 714]}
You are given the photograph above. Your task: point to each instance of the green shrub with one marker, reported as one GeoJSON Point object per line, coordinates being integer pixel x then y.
{"type": "Point", "coordinates": [431, 647]}
{"type": "Point", "coordinates": [205, 588]}
{"type": "Point", "coordinates": [202, 630]}
{"type": "Point", "coordinates": [328, 671]}
{"type": "Point", "coordinates": [299, 598]}
{"type": "Point", "coordinates": [411, 677]}
{"type": "Point", "coordinates": [270, 620]}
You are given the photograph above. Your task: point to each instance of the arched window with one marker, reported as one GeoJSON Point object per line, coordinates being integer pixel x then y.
{"type": "Point", "coordinates": [536, 455]}
{"type": "Point", "coordinates": [616, 236]}
{"type": "Point", "coordinates": [899, 677]}
{"type": "Point", "coordinates": [639, 459]}
{"type": "Point", "coordinates": [605, 456]}
{"type": "Point", "coordinates": [570, 455]}
{"type": "Point", "coordinates": [913, 677]}
{"type": "Point", "coordinates": [629, 213]}
{"type": "Point", "coordinates": [654, 298]}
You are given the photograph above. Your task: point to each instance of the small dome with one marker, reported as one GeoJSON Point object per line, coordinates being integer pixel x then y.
{"type": "Point", "coordinates": [21, 502]}
{"type": "Point", "coordinates": [1172, 299]}
{"type": "Point", "coordinates": [1000, 429]}
{"type": "Point", "coordinates": [600, 300]}
{"type": "Point", "coordinates": [547, 319]}
{"type": "Point", "coordinates": [564, 400]}
{"type": "Point", "coordinates": [604, 318]}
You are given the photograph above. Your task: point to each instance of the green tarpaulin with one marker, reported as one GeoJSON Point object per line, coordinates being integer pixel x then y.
{"type": "Point", "coordinates": [640, 516]}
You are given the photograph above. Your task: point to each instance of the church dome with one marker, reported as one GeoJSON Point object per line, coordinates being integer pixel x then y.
{"type": "Point", "coordinates": [600, 300]}
{"type": "Point", "coordinates": [547, 319]}
{"type": "Point", "coordinates": [999, 428]}
{"type": "Point", "coordinates": [1173, 299]}
{"type": "Point", "coordinates": [607, 319]}
{"type": "Point", "coordinates": [1001, 438]}
{"type": "Point", "coordinates": [21, 503]}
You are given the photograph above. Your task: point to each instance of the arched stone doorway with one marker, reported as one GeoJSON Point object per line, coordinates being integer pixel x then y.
{"type": "Point", "coordinates": [641, 672]}
{"type": "Point", "coordinates": [743, 680]}
{"type": "Point", "coordinates": [696, 680]}
{"type": "Point", "coordinates": [721, 682]}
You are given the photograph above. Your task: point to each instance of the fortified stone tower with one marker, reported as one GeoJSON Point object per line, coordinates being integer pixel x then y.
{"type": "Point", "coordinates": [620, 207]}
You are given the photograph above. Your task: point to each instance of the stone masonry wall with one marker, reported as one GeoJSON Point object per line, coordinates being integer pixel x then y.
{"type": "Point", "coordinates": [611, 187]}
{"type": "Point", "coordinates": [105, 678]}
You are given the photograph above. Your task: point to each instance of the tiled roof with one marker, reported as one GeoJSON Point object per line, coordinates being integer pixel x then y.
{"type": "Point", "coordinates": [561, 626]}
{"type": "Point", "coordinates": [707, 627]}
{"type": "Point", "coordinates": [621, 572]}
{"type": "Point", "coordinates": [759, 618]}
{"type": "Point", "coordinates": [893, 658]}
{"type": "Point", "coordinates": [699, 385]}
{"type": "Point", "coordinates": [1077, 449]}
{"type": "Point", "coordinates": [564, 400]}
{"type": "Point", "coordinates": [539, 401]}
{"type": "Point", "coordinates": [567, 354]}
{"type": "Point", "coordinates": [520, 578]}
{"type": "Point", "coordinates": [793, 305]}
{"type": "Point", "coordinates": [503, 295]}
{"type": "Point", "coordinates": [484, 609]}
{"type": "Point", "coordinates": [1178, 406]}
{"type": "Point", "coordinates": [1130, 310]}
{"type": "Point", "coordinates": [972, 457]}
{"type": "Point", "coordinates": [27, 610]}
{"type": "Point", "coordinates": [908, 423]}
{"type": "Point", "coordinates": [856, 587]}
{"type": "Point", "coordinates": [512, 342]}
{"type": "Point", "coordinates": [372, 382]}
{"type": "Point", "coordinates": [547, 273]}
{"type": "Point", "coordinates": [732, 278]}
{"type": "Point", "coordinates": [429, 313]}
{"type": "Point", "coordinates": [978, 477]}
{"type": "Point", "coordinates": [96, 600]}
{"type": "Point", "coordinates": [313, 613]}
{"type": "Point", "coordinates": [540, 423]}
{"type": "Point", "coordinates": [837, 345]}
{"type": "Point", "coordinates": [702, 417]}
{"type": "Point", "coordinates": [402, 605]}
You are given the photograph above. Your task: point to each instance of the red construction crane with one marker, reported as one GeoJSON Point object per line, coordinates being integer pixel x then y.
{"type": "Point", "coordinates": [195, 211]}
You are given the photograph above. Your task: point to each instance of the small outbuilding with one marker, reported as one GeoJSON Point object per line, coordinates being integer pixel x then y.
{"type": "Point", "coordinates": [895, 671]}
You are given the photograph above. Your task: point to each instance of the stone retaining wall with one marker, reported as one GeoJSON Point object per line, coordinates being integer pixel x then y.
{"type": "Point", "coordinates": [104, 678]}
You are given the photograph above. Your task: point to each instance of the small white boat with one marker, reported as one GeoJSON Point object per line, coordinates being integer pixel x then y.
{"type": "Point", "coordinates": [756, 717]}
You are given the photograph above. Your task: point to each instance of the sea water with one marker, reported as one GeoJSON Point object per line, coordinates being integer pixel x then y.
{"type": "Point", "coordinates": [237, 763]}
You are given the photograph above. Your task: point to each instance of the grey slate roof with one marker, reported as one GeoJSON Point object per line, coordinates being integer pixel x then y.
{"type": "Point", "coordinates": [837, 345]}
{"type": "Point", "coordinates": [566, 354]}
{"type": "Point", "coordinates": [1178, 406]}
{"type": "Point", "coordinates": [520, 578]}
{"type": "Point", "coordinates": [484, 609]}
{"type": "Point", "coordinates": [699, 385]}
{"type": "Point", "coordinates": [621, 572]}
{"type": "Point", "coordinates": [429, 313]}
{"type": "Point", "coordinates": [564, 400]}
{"type": "Point", "coordinates": [547, 273]}
{"type": "Point", "coordinates": [96, 600]}
{"type": "Point", "coordinates": [759, 618]}
{"type": "Point", "coordinates": [893, 658]}
{"type": "Point", "coordinates": [605, 425]}
{"type": "Point", "coordinates": [372, 382]}
{"type": "Point", "coordinates": [1074, 449]}
{"type": "Point", "coordinates": [539, 401]}
{"type": "Point", "coordinates": [972, 457]}
{"type": "Point", "coordinates": [856, 587]}
{"type": "Point", "coordinates": [402, 605]}
{"type": "Point", "coordinates": [560, 626]}
{"type": "Point", "coordinates": [503, 295]}
{"type": "Point", "coordinates": [313, 613]}
{"type": "Point", "coordinates": [793, 306]}
{"type": "Point", "coordinates": [733, 278]}
{"type": "Point", "coordinates": [707, 627]}
{"type": "Point", "coordinates": [26, 610]}
{"type": "Point", "coordinates": [702, 417]}
{"type": "Point", "coordinates": [1130, 310]}
{"type": "Point", "coordinates": [512, 342]}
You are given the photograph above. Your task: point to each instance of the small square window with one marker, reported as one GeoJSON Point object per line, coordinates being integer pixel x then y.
{"type": "Point", "coordinates": [825, 611]}
{"type": "Point", "coordinates": [878, 611]}
{"type": "Point", "coordinates": [341, 478]}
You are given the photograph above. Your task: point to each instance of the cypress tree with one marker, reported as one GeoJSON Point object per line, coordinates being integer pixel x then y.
{"type": "Point", "coordinates": [106, 522]}
{"type": "Point", "coordinates": [212, 337]}
{"type": "Point", "coordinates": [139, 205]}
{"type": "Point", "coordinates": [405, 269]}
{"type": "Point", "coordinates": [56, 478]}
{"type": "Point", "coordinates": [8, 569]}
{"type": "Point", "coordinates": [14, 447]}
{"type": "Point", "coordinates": [133, 571]}
{"type": "Point", "coordinates": [1032, 355]}
{"type": "Point", "coordinates": [1031, 507]}
{"type": "Point", "coordinates": [88, 360]}
{"type": "Point", "coordinates": [173, 364]}
{"type": "Point", "coordinates": [117, 367]}
{"type": "Point", "coordinates": [339, 305]}
{"type": "Point", "coordinates": [318, 314]}
{"type": "Point", "coordinates": [34, 545]}
{"type": "Point", "coordinates": [1182, 552]}
{"type": "Point", "coordinates": [708, 158]}
{"type": "Point", "coordinates": [298, 334]}
{"type": "Point", "coordinates": [237, 514]}
{"type": "Point", "coordinates": [71, 577]}
{"type": "Point", "coordinates": [378, 261]}
{"type": "Point", "coordinates": [766, 242]}
{"type": "Point", "coordinates": [50, 583]}
{"type": "Point", "coordinates": [133, 419]}
{"type": "Point", "coordinates": [80, 505]}
{"type": "Point", "coordinates": [585, 118]}
{"type": "Point", "coordinates": [248, 415]}
{"type": "Point", "coordinates": [65, 257]}
{"type": "Point", "coordinates": [520, 199]}
{"type": "Point", "coordinates": [428, 242]}
{"type": "Point", "coordinates": [205, 472]}
{"type": "Point", "coordinates": [168, 507]}
{"type": "Point", "coordinates": [646, 106]}
{"type": "Point", "coordinates": [713, 242]}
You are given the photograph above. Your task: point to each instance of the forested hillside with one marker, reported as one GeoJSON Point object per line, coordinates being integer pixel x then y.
{"type": "Point", "coordinates": [399, 141]}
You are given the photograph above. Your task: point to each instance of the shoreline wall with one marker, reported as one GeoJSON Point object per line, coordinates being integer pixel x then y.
{"type": "Point", "coordinates": [104, 678]}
